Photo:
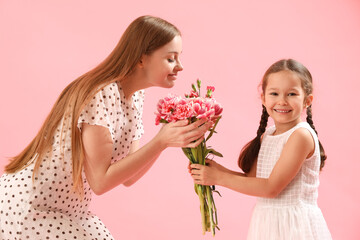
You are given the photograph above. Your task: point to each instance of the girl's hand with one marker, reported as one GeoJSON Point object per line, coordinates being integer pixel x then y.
{"type": "Point", "coordinates": [213, 164]}
{"type": "Point", "coordinates": [207, 175]}
{"type": "Point", "coordinates": [182, 134]}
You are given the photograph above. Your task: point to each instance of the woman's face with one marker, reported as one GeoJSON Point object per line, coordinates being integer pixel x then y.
{"type": "Point", "coordinates": [161, 66]}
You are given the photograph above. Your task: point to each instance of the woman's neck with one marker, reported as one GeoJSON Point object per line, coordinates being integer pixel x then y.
{"type": "Point", "coordinates": [131, 84]}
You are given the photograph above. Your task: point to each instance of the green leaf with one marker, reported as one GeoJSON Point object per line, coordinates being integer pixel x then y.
{"type": "Point", "coordinates": [163, 121]}
{"type": "Point", "coordinates": [188, 154]}
{"type": "Point", "coordinates": [193, 87]}
{"type": "Point", "coordinates": [212, 130]}
{"type": "Point", "coordinates": [194, 154]}
{"type": "Point", "coordinates": [212, 151]}
{"type": "Point", "coordinates": [217, 192]}
{"type": "Point", "coordinates": [200, 156]}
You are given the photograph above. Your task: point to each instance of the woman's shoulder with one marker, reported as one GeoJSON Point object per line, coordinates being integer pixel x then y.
{"type": "Point", "coordinates": [111, 89]}
{"type": "Point", "coordinates": [107, 95]}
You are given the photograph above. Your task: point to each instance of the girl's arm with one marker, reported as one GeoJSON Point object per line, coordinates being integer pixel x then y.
{"type": "Point", "coordinates": [103, 176]}
{"type": "Point", "coordinates": [219, 167]}
{"type": "Point", "coordinates": [299, 146]}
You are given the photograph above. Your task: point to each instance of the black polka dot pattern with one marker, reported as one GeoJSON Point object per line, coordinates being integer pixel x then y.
{"type": "Point", "coordinates": [48, 208]}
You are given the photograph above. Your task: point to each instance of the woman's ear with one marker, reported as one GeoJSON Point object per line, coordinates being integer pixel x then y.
{"type": "Point", "coordinates": [141, 61]}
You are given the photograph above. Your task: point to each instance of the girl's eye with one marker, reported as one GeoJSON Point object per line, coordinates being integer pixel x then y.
{"type": "Point", "coordinates": [273, 94]}
{"type": "Point", "coordinates": [292, 94]}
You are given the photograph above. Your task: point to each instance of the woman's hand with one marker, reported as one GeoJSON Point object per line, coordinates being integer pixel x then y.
{"type": "Point", "coordinates": [182, 134]}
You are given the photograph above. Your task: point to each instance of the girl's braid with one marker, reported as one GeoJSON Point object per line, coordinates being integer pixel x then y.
{"type": "Point", "coordinates": [309, 118]}
{"type": "Point", "coordinates": [311, 123]}
{"type": "Point", "coordinates": [250, 151]}
{"type": "Point", "coordinates": [263, 122]}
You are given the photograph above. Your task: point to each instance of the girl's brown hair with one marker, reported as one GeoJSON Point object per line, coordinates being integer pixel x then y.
{"type": "Point", "coordinates": [143, 36]}
{"type": "Point", "coordinates": [250, 151]}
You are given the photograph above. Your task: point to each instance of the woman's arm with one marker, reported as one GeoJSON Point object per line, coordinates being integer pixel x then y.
{"type": "Point", "coordinates": [299, 146]}
{"type": "Point", "coordinates": [134, 147]}
{"type": "Point", "coordinates": [103, 176]}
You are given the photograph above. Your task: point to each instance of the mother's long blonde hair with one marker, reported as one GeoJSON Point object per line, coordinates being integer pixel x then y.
{"type": "Point", "coordinates": [143, 36]}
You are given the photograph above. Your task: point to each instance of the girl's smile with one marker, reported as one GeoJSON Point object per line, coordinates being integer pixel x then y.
{"type": "Point", "coordinates": [282, 110]}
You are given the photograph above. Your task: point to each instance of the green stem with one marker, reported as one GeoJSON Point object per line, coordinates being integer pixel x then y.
{"type": "Point", "coordinates": [202, 207]}
{"type": "Point", "coordinates": [211, 210]}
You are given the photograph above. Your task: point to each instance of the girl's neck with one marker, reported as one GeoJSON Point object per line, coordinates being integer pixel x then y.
{"type": "Point", "coordinates": [284, 127]}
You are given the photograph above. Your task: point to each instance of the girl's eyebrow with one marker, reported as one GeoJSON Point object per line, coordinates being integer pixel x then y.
{"type": "Point", "coordinates": [291, 89]}
{"type": "Point", "coordinates": [294, 89]}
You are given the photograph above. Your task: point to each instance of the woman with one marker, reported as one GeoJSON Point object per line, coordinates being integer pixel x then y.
{"type": "Point", "coordinates": [90, 140]}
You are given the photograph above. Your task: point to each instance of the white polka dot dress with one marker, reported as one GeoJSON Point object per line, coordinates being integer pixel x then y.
{"type": "Point", "coordinates": [48, 208]}
{"type": "Point", "coordinates": [293, 214]}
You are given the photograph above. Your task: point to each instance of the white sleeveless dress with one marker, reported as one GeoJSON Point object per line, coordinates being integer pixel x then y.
{"type": "Point", "coordinates": [294, 213]}
{"type": "Point", "coordinates": [48, 208]}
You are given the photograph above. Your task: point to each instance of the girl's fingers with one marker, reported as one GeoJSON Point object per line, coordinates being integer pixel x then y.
{"type": "Point", "coordinates": [189, 167]}
{"type": "Point", "coordinates": [195, 166]}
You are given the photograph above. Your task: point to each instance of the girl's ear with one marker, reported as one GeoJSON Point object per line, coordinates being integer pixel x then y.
{"type": "Point", "coordinates": [263, 98]}
{"type": "Point", "coordinates": [308, 100]}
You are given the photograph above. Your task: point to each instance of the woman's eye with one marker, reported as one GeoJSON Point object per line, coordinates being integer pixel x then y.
{"type": "Point", "coordinates": [170, 60]}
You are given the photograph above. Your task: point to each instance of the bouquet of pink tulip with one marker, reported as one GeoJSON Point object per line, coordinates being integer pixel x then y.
{"type": "Point", "coordinates": [193, 107]}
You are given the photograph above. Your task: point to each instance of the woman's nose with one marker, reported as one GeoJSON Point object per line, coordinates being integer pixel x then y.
{"type": "Point", "coordinates": [179, 66]}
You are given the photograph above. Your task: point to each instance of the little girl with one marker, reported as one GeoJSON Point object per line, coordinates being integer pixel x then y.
{"type": "Point", "coordinates": [281, 164]}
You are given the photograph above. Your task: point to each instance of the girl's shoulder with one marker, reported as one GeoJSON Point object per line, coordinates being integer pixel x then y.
{"type": "Point", "coordinates": [304, 128]}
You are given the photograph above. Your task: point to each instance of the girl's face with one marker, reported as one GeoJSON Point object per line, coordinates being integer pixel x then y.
{"type": "Point", "coordinates": [285, 99]}
{"type": "Point", "coordinates": [161, 66]}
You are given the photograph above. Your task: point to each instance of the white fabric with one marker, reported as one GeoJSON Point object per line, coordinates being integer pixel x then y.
{"type": "Point", "coordinates": [48, 208]}
{"type": "Point", "coordinates": [293, 214]}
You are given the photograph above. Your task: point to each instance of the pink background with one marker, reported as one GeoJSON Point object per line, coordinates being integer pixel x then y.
{"type": "Point", "coordinates": [44, 45]}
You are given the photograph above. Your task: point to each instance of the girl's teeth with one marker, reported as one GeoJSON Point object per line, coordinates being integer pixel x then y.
{"type": "Point", "coordinates": [282, 111]}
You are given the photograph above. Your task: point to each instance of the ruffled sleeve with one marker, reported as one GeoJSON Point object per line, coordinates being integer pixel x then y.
{"type": "Point", "coordinates": [101, 109]}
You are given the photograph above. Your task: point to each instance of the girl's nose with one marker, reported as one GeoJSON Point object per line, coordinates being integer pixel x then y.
{"type": "Point", "coordinates": [282, 100]}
